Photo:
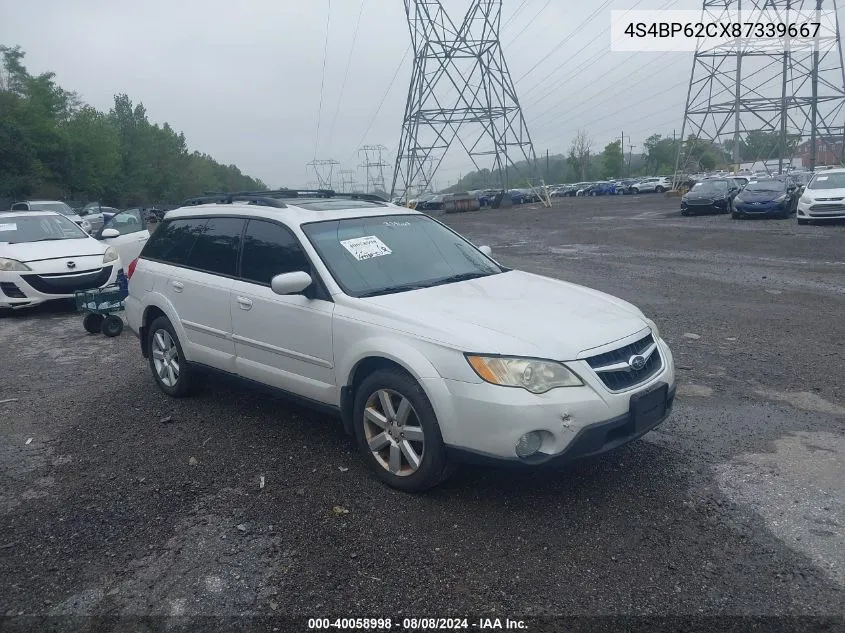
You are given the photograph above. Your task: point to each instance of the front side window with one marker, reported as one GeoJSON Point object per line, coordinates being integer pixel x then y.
{"type": "Point", "coordinates": [216, 247]}
{"type": "Point", "coordinates": [173, 241]}
{"type": "Point", "coordinates": [126, 222]}
{"type": "Point", "coordinates": [393, 253]}
{"type": "Point", "coordinates": [18, 229]}
{"type": "Point", "coordinates": [269, 250]}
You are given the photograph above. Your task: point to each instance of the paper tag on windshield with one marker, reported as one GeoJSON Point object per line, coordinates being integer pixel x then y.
{"type": "Point", "coordinates": [820, 178]}
{"type": "Point", "coordinates": [368, 247]}
{"type": "Point", "coordinates": [8, 227]}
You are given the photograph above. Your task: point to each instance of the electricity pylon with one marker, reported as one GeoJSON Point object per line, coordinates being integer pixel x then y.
{"type": "Point", "coordinates": [769, 100]}
{"type": "Point", "coordinates": [374, 165]}
{"type": "Point", "coordinates": [324, 170]}
{"type": "Point", "coordinates": [461, 92]}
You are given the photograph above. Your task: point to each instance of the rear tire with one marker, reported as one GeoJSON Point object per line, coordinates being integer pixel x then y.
{"type": "Point", "coordinates": [93, 323]}
{"type": "Point", "coordinates": [390, 409]}
{"type": "Point", "coordinates": [112, 325]}
{"type": "Point", "coordinates": [174, 375]}
{"type": "Point", "coordinates": [659, 190]}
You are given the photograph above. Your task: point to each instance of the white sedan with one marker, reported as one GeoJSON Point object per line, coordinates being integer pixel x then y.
{"type": "Point", "coordinates": [44, 256]}
{"type": "Point", "coordinates": [823, 198]}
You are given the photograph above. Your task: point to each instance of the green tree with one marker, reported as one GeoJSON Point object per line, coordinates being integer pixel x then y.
{"type": "Point", "coordinates": [613, 160]}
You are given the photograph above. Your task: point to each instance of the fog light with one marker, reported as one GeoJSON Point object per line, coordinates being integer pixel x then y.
{"type": "Point", "coordinates": [528, 444]}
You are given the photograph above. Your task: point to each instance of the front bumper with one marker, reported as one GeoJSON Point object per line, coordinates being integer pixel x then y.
{"type": "Point", "coordinates": [764, 208]}
{"type": "Point", "coordinates": [24, 289]}
{"type": "Point", "coordinates": [484, 420]}
{"type": "Point", "coordinates": [717, 206]}
{"type": "Point", "coordinates": [591, 441]}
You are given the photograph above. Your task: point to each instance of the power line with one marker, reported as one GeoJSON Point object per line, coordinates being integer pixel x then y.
{"type": "Point", "coordinates": [383, 99]}
{"type": "Point", "coordinates": [323, 78]}
{"type": "Point", "coordinates": [515, 13]}
{"type": "Point", "coordinates": [530, 22]}
{"type": "Point", "coordinates": [348, 65]}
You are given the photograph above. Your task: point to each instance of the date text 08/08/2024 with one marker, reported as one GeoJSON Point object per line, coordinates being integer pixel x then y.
{"type": "Point", "coordinates": [416, 624]}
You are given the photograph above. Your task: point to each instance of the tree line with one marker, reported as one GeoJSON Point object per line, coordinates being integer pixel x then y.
{"type": "Point", "coordinates": [658, 157]}
{"type": "Point", "coordinates": [52, 145]}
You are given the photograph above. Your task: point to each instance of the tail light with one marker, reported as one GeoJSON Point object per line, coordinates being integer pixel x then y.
{"type": "Point", "coordinates": [131, 269]}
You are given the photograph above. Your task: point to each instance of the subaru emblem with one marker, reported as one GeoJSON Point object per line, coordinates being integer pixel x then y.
{"type": "Point", "coordinates": [637, 362]}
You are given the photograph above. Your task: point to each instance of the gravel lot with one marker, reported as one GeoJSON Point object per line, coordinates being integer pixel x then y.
{"type": "Point", "coordinates": [115, 500]}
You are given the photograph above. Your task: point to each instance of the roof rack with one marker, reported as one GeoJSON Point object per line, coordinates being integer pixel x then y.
{"type": "Point", "coordinates": [274, 198]}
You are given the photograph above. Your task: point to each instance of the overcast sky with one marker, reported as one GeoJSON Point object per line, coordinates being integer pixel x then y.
{"type": "Point", "coordinates": [242, 79]}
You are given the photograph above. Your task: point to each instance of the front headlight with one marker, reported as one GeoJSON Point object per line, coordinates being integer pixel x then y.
{"type": "Point", "coordinates": [738, 199]}
{"type": "Point", "coordinates": [781, 198]}
{"type": "Point", "coordinates": [655, 332]}
{"type": "Point", "coordinates": [110, 255]}
{"type": "Point", "coordinates": [806, 200]}
{"type": "Point", "coordinates": [537, 376]}
{"type": "Point", "coordinates": [86, 226]}
{"type": "Point", "coordinates": [8, 265]}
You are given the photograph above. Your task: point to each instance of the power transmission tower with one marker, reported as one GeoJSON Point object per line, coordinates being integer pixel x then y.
{"type": "Point", "coordinates": [374, 164]}
{"type": "Point", "coordinates": [766, 100]}
{"type": "Point", "coordinates": [347, 177]}
{"type": "Point", "coordinates": [461, 92]}
{"type": "Point", "coordinates": [324, 171]}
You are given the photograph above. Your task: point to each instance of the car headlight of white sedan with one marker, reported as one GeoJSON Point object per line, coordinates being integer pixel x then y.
{"type": "Point", "coordinates": [805, 199]}
{"type": "Point", "coordinates": [9, 265]}
{"type": "Point", "coordinates": [110, 255]}
{"type": "Point", "coordinates": [534, 375]}
{"type": "Point", "coordinates": [655, 332]}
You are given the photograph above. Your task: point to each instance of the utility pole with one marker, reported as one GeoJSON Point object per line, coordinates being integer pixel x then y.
{"type": "Point", "coordinates": [630, 154]}
{"type": "Point", "coordinates": [814, 140]}
{"type": "Point", "coordinates": [548, 170]}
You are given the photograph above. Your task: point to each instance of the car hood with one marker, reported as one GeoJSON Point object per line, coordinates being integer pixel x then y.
{"type": "Point", "coordinates": [760, 196]}
{"type": "Point", "coordinates": [816, 194]}
{"type": "Point", "coordinates": [58, 249]}
{"type": "Point", "coordinates": [513, 313]}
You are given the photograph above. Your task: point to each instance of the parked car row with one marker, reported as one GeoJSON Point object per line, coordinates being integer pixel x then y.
{"type": "Point", "coordinates": [822, 198]}
{"type": "Point", "coordinates": [625, 186]}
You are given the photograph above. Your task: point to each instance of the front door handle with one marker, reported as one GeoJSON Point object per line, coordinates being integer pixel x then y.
{"type": "Point", "coordinates": [244, 303]}
{"type": "Point", "coordinates": [178, 286]}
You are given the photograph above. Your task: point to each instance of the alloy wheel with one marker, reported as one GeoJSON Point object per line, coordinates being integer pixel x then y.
{"type": "Point", "coordinates": [393, 432]}
{"type": "Point", "coordinates": [165, 358]}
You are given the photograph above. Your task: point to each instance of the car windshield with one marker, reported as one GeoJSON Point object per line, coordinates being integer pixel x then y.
{"type": "Point", "coordinates": [766, 185]}
{"type": "Point", "coordinates": [828, 181]}
{"type": "Point", "coordinates": [711, 186]}
{"type": "Point", "coordinates": [378, 255]}
{"type": "Point", "coordinates": [58, 207]}
{"type": "Point", "coordinates": [38, 228]}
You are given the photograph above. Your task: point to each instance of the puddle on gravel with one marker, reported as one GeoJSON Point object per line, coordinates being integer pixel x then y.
{"type": "Point", "coordinates": [798, 492]}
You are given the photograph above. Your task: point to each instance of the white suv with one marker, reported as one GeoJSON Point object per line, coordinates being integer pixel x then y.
{"type": "Point", "coordinates": [652, 185]}
{"type": "Point", "coordinates": [429, 350]}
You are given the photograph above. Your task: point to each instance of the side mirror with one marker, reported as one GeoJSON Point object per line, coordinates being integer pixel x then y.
{"type": "Point", "coordinates": [107, 233]}
{"type": "Point", "coordinates": [290, 283]}
{"type": "Point", "coordinates": [486, 250]}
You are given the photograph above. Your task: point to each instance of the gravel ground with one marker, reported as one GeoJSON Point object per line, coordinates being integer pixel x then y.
{"type": "Point", "coordinates": [117, 501]}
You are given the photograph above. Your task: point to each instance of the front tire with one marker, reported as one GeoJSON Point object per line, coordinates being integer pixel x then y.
{"type": "Point", "coordinates": [93, 323]}
{"type": "Point", "coordinates": [112, 325]}
{"type": "Point", "coordinates": [659, 190]}
{"type": "Point", "coordinates": [173, 374]}
{"type": "Point", "coordinates": [397, 432]}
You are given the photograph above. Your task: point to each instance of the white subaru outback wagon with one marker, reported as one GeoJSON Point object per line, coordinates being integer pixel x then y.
{"type": "Point", "coordinates": [430, 351]}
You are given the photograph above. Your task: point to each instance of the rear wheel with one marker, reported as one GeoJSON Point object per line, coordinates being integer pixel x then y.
{"type": "Point", "coordinates": [112, 325]}
{"type": "Point", "coordinates": [397, 432]}
{"type": "Point", "coordinates": [93, 323]}
{"type": "Point", "coordinates": [659, 189]}
{"type": "Point", "coordinates": [635, 191]}
{"type": "Point", "coordinates": [173, 374]}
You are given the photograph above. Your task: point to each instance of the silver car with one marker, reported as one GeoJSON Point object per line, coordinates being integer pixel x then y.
{"type": "Point", "coordinates": [54, 205]}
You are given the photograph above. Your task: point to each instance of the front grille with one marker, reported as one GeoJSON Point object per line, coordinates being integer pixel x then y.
{"type": "Point", "coordinates": [65, 284]}
{"type": "Point", "coordinates": [701, 203]}
{"type": "Point", "coordinates": [627, 378]}
{"type": "Point", "coordinates": [828, 207]}
{"type": "Point", "coordinates": [11, 290]}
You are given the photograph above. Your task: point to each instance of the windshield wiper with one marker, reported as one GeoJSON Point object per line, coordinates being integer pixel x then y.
{"type": "Point", "coordinates": [44, 239]}
{"type": "Point", "coordinates": [393, 290]}
{"type": "Point", "coordinates": [461, 277]}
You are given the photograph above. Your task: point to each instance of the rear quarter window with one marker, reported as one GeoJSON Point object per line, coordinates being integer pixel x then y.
{"type": "Point", "coordinates": [173, 241]}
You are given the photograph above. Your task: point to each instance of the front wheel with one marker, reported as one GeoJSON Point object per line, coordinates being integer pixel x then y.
{"type": "Point", "coordinates": [173, 374]}
{"type": "Point", "coordinates": [93, 323]}
{"type": "Point", "coordinates": [397, 432]}
{"type": "Point", "coordinates": [635, 191]}
{"type": "Point", "coordinates": [659, 190]}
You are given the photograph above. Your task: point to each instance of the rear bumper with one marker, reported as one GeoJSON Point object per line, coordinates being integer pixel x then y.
{"type": "Point", "coordinates": [591, 441]}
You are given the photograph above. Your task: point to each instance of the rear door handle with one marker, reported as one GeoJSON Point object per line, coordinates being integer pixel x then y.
{"type": "Point", "coordinates": [244, 303]}
{"type": "Point", "coordinates": [178, 286]}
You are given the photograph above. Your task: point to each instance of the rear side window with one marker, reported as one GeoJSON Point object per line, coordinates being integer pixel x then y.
{"type": "Point", "coordinates": [216, 246]}
{"type": "Point", "coordinates": [269, 250]}
{"type": "Point", "coordinates": [173, 240]}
